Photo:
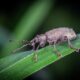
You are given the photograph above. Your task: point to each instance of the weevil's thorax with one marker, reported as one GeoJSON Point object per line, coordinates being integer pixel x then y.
{"type": "Point", "coordinates": [42, 40]}
{"type": "Point", "coordinates": [42, 37]}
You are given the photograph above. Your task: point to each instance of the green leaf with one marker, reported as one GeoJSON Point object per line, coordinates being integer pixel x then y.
{"type": "Point", "coordinates": [21, 65]}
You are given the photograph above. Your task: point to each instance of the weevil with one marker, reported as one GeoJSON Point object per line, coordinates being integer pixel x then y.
{"type": "Point", "coordinates": [52, 37]}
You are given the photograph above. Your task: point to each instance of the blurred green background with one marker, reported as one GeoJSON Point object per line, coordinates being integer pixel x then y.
{"type": "Point", "coordinates": [22, 19]}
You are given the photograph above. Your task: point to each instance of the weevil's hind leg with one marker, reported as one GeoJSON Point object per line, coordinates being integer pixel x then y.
{"type": "Point", "coordinates": [35, 56]}
{"type": "Point", "coordinates": [72, 47]}
{"type": "Point", "coordinates": [56, 51]}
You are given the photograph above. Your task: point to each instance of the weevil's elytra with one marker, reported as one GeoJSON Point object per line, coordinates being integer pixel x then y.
{"type": "Point", "coordinates": [53, 37]}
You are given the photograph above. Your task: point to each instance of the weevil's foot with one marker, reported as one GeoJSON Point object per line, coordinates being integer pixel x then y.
{"type": "Point", "coordinates": [59, 55]}
{"type": "Point", "coordinates": [35, 58]}
{"type": "Point", "coordinates": [78, 50]}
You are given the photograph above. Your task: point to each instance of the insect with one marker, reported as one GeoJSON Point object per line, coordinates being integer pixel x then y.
{"type": "Point", "coordinates": [52, 37]}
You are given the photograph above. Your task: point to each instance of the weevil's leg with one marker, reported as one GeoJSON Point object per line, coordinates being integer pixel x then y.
{"type": "Point", "coordinates": [35, 57]}
{"type": "Point", "coordinates": [56, 51]}
{"type": "Point", "coordinates": [72, 47]}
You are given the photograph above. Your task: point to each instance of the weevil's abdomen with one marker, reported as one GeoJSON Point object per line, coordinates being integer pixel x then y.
{"type": "Point", "coordinates": [53, 35]}
{"type": "Point", "coordinates": [58, 34]}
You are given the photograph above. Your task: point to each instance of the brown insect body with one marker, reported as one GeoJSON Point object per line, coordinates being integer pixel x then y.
{"type": "Point", "coordinates": [54, 36]}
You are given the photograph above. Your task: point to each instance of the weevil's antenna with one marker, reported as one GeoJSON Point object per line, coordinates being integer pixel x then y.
{"type": "Point", "coordinates": [22, 47]}
{"type": "Point", "coordinates": [23, 41]}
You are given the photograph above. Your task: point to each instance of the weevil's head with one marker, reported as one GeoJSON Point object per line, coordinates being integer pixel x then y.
{"type": "Point", "coordinates": [34, 41]}
{"type": "Point", "coordinates": [41, 39]}
{"type": "Point", "coordinates": [71, 34]}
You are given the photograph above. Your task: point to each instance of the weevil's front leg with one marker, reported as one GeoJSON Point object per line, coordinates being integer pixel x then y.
{"type": "Point", "coordinates": [72, 47]}
{"type": "Point", "coordinates": [56, 51]}
{"type": "Point", "coordinates": [35, 57]}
